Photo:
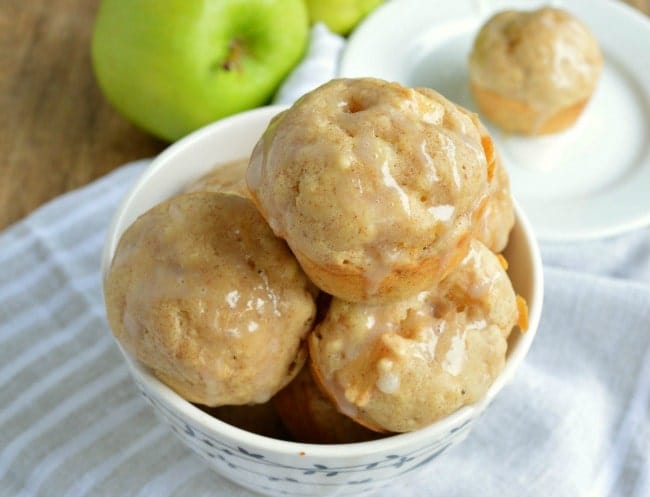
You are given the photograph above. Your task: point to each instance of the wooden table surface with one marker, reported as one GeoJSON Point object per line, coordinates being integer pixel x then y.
{"type": "Point", "coordinates": [57, 132]}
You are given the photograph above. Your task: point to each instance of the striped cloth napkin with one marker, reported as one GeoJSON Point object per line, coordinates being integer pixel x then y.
{"type": "Point", "coordinates": [574, 422]}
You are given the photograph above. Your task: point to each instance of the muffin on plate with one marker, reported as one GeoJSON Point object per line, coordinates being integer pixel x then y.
{"type": "Point", "coordinates": [533, 72]}
{"type": "Point", "coordinates": [374, 186]}
{"type": "Point", "coordinates": [401, 366]}
{"type": "Point", "coordinates": [203, 293]}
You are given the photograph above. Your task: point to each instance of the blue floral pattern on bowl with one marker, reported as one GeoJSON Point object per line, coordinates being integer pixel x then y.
{"type": "Point", "coordinates": [260, 472]}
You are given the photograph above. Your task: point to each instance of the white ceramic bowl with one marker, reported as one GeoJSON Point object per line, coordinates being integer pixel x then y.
{"type": "Point", "coordinates": [277, 467]}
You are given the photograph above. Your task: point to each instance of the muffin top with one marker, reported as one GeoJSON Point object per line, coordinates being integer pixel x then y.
{"type": "Point", "coordinates": [370, 175]}
{"type": "Point", "coordinates": [202, 292]}
{"type": "Point", "coordinates": [545, 58]}
{"type": "Point", "coordinates": [402, 366]}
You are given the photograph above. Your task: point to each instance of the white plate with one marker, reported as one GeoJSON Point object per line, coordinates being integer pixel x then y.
{"type": "Point", "coordinates": [590, 181]}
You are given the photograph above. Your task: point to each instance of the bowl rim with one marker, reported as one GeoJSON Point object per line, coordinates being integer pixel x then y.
{"type": "Point", "coordinates": [212, 425]}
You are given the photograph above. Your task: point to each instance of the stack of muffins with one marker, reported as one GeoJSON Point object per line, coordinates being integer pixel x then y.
{"type": "Point", "coordinates": [353, 276]}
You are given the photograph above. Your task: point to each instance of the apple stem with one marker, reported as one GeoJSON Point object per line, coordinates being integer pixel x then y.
{"type": "Point", "coordinates": [235, 54]}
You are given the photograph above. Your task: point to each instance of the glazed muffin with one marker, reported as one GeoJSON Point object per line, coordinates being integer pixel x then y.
{"type": "Point", "coordinates": [224, 178]}
{"type": "Point", "coordinates": [374, 186]}
{"type": "Point", "coordinates": [203, 293]}
{"type": "Point", "coordinates": [401, 366]}
{"type": "Point", "coordinates": [309, 415]}
{"type": "Point", "coordinates": [497, 217]}
{"type": "Point", "coordinates": [533, 72]}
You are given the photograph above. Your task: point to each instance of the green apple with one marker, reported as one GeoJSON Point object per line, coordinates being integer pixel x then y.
{"type": "Point", "coordinates": [341, 16]}
{"type": "Point", "coordinates": [171, 66]}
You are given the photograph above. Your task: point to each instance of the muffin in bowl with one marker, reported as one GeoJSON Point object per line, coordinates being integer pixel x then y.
{"type": "Point", "coordinates": [401, 366]}
{"type": "Point", "coordinates": [310, 416]}
{"type": "Point", "coordinates": [374, 186]}
{"type": "Point", "coordinates": [533, 72]}
{"type": "Point", "coordinates": [225, 178]}
{"type": "Point", "coordinates": [203, 293]}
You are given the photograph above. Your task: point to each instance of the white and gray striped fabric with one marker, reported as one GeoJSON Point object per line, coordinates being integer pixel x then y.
{"type": "Point", "coordinates": [575, 421]}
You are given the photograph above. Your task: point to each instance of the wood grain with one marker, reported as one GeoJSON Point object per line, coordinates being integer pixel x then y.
{"type": "Point", "coordinates": [57, 132]}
